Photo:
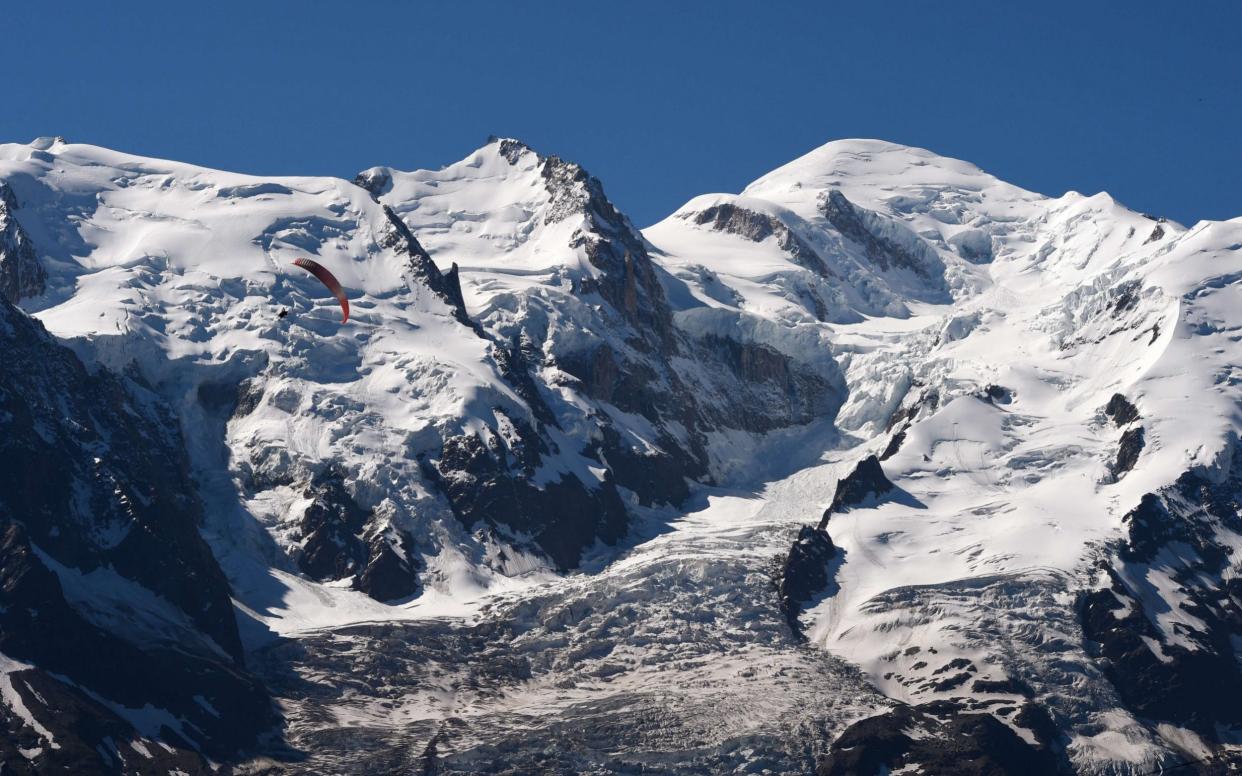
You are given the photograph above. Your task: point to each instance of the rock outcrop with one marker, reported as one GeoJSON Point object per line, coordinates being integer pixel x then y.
{"type": "Point", "coordinates": [1120, 410]}
{"type": "Point", "coordinates": [757, 227]}
{"type": "Point", "coordinates": [1184, 670]}
{"type": "Point", "coordinates": [864, 484]}
{"type": "Point", "coordinates": [1128, 450]}
{"type": "Point", "coordinates": [21, 274]}
{"type": "Point", "coordinates": [804, 573]}
{"type": "Point", "coordinates": [889, 245]}
{"type": "Point", "coordinates": [936, 738]}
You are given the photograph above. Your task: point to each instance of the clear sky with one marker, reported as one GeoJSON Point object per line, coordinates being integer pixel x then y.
{"type": "Point", "coordinates": [660, 100]}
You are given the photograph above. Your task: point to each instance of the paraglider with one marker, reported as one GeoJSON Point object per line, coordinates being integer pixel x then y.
{"type": "Point", "coordinates": [329, 280]}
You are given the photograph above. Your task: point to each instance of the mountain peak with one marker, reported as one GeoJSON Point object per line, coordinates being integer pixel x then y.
{"type": "Point", "coordinates": [876, 173]}
{"type": "Point", "coordinates": [503, 205]}
{"type": "Point", "coordinates": [510, 148]}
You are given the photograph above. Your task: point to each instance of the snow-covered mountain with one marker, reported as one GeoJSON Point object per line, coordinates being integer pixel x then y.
{"type": "Point", "coordinates": [881, 463]}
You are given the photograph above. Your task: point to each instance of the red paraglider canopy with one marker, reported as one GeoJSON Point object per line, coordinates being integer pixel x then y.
{"type": "Point", "coordinates": [329, 280]}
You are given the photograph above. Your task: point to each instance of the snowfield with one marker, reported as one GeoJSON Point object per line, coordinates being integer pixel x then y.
{"type": "Point", "coordinates": [864, 299]}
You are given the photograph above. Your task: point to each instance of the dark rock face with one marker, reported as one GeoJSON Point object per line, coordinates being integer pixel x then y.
{"type": "Point", "coordinates": [894, 445]}
{"type": "Point", "coordinates": [1036, 719]}
{"type": "Point", "coordinates": [770, 391]}
{"type": "Point", "coordinates": [399, 238]}
{"type": "Point", "coordinates": [1128, 451]}
{"type": "Point", "coordinates": [452, 288]}
{"type": "Point", "coordinates": [1120, 410]}
{"type": "Point", "coordinates": [97, 509]}
{"type": "Point", "coordinates": [338, 542]}
{"type": "Point", "coordinates": [758, 227]}
{"type": "Point", "coordinates": [21, 274]}
{"type": "Point", "coordinates": [1002, 687]}
{"type": "Point", "coordinates": [376, 182]}
{"type": "Point", "coordinates": [865, 482]}
{"type": "Point", "coordinates": [926, 403]}
{"type": "Point", "coordinates": [998, 394]}
{"type": "Point", "coordinates": [741, 385]}
{"type": "Point", "coordinates": [655, 477]}
{"type": "Point", "coordinates": [113, 483]}
{"type": "Point", "coordinates": [935, 738]}
{"type": "Point", "coordinates": [488, 483]}
{"type": "Point", "coordinates": [90, 738]}
{"type": "Point", "coordinates": [1150, 527]}
{"type": "Point", "coordinates": [1125, 297]}
{"type": "Point", "coordinates": [804, 574]}
{"type": "Point", "coordinates": [511, 149]}
{"type": "Point", "coordinates": [391, 572]}
{"type": "Point", "coordinates": [1178, 533]}
{"type": "Point", "coordinates": [1192, 688]}
{"type": "Point", "coordinates": [887, 253]}
{"type": "Point", "coordinates": [332, 546]}
{"type": "Point", "coordinates": [96, 672]}
{"type": "Point", "coordinates": [607, 376]}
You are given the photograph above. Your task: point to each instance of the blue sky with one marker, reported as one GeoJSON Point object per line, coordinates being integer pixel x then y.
{"type": "Point", "coordinates": [662, 101]}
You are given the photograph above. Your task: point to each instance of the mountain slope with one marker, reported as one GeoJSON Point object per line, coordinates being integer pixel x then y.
{"type": "Point", "coordinates": [116, 627]}
{"type": "Point", "coordinates": [567, 494]}
{"type": "Point", "coordinates": [990, 413]}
